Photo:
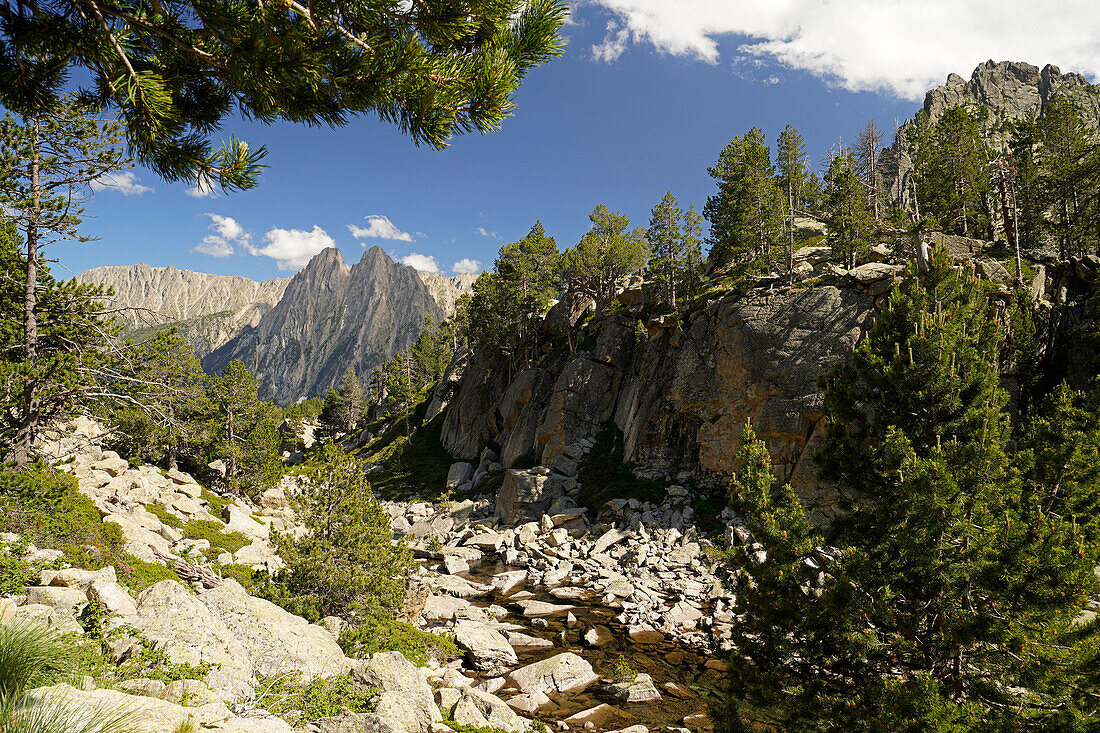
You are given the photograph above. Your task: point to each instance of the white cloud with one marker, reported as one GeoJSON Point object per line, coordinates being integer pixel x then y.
{"type": "Point", "coordinates": [293, 248]}
{"type": "Point", "coordinates": [379, 227]}
{"type": "Point", "coordinates": [226, 233]}
{"type": "Point", "coordinates": [125, 182]}
{"type": "Point", "coordinates": [424, 263]}
{"type": "Point", "coordinates": [227, 227]}
{"type": "Point", "coordinates": [214, 246]}
{"type": "Point", "coordinates": [486, 233]}
{"type": "Point", "coordinates": [466, 266]}
{"type": "Point", "coordinates": [864, 45]}
{"type": "Point", "coordinates": [203, 189]}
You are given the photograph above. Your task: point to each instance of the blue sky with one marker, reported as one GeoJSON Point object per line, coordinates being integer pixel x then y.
{"type": "Point", "coordinates": [641, 102]}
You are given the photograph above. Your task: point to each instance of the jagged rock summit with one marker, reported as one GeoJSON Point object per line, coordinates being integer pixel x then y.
{"type": "Point", "coordinates": [207, 309]}
{"type": "Point", "coordinates": [1009, 90]}
{"type": "Point", "coordinates": [332, 316]}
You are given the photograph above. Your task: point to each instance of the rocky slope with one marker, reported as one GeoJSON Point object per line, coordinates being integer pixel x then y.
{"type": "Point", "coordinates": [1009, 90]}
{"type": "Point", "coordinates": [547, 612]}
{"type": "Point", "coordinates": [332, 316]}
{"type": "Point", "coordinates": [447, 290]}
{"type": "Point", "coordinates": [679, 393]}
{"type": "Point", "coordinates": [208, 309]}
{"type": "Point", "coordinates": [681, 396]}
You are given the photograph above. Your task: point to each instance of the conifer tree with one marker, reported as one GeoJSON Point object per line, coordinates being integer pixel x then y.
{"type": "Point", "coordinates": [527, 271]}
{"type": "Point", "coordinates": [346, 563]}
{"type": "Point", "coordinates": [868, 165]}
{"type": "Point", "coordinates": [790, 162]}
{"type": "Point", "coordinates": [849, 222]}
{"type": "Point", "coordinates": [676, 265]}
{"type": "Point", "coordinates": [1065, 144]}
{"type": "Point", "coordinates": [162, 402]}
{"type": "Point", "coordinates": [942, 594]}
{"type": "Point", "coordinates": [952, 161]}
{"type": "Point", "coordinates": [72, 362]}
{"type": "Point", "coordinates": [48, 161]}
{"type": "Point", "coordinates": [746, 214]}
{"type": "Point", "coordinates": [243, 432]}
{"type": "Point", "coordinates": [608, 252]}
{"type": "Point", "coordinates": [343, 408]}
{"type": "Point", "coordinates": [176, 70]}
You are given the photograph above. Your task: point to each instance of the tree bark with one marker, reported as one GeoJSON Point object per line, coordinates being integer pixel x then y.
{"type": "Point", "coordinates": [24, 437]}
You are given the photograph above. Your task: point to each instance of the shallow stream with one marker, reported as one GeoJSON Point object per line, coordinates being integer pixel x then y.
{"type": "Point", "coordinates": [665, 661]}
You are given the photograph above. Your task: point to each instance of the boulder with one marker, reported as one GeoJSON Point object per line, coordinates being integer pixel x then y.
{"type": "Point", "coordinates": [640, 689]}
{"type": "Point", "coordinates": [150, 715]}
{"type": "Point", "coordinates": [406, 702]}
{"type": "Point", "coordinates": [566, 672]}
{"type": "Point", "coordinates": [77, 578]}
{"type": "Point", "coordinates": [526, 495]}
{"type": "Point", "coordinates": [276, 641]}
{"type": "Point", "coordinates": [139, 541]}
{"type": "Point", "coordinates": [178, 622]}
{"type": "Point", "coordinates": [268, 724]}
{"type": "Point", "coordinates": [481, 709]}
{"type": "Point", "coordinates": [440, 609]}
{"type": "Point", "coordinates": [349, 722]}
{"type": "Point", "coordinates": [48, 616]}
{"type": "Point", "coordinates": [487, 649]}
{"type": "Point", "coordinates": [542, 609]}
{"type": "Point", "coordinates": [597, 636]}
{"type": "Point", "coordinates": [66, 601]}
{"type": "Point", "coordinates": [112, 597]}
{"type": "Point", "coordinates": [459, 474]}
{"type": "Point", "coordinates": [507, 583]}
{"type": "Point", "coordinates": [873, 272]}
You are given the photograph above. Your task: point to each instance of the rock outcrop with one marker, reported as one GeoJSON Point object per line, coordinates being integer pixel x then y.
{"type": "Point", "coordinates": [680, 397]}
{"type": "Point", "coordinates": [208, 310]}
{"type": "Point", "coordinates": [1009, 91]}
{"type": "Point", "coordinates": [332, 316]}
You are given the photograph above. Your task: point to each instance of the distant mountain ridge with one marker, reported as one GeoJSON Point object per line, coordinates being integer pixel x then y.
{"type": "Point", "coordinates": [332, 316]}
{"type": "Point", "coordinates": [208, 310]}
{"type": "Point", "coordinates": [299, 334]}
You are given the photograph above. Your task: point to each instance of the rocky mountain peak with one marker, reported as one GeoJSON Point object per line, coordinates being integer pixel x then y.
{"type": "Point", "coordinates": [332, 316]}
{"type": "Point", "coordinates": [1009, 90]}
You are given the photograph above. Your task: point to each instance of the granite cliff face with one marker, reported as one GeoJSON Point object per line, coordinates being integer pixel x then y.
{"type": "Point", "coordinates": [1009, 90]}
{"type": "Point", "coordinates": [332, 316]}
{"type": "Point", "coordinates": [680, 397]}
{"type": "Point", "coordinates": [208, 310]}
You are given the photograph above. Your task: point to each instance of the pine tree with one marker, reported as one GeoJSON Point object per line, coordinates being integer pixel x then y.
{"type": "Point", "coordinates": [849, 222]}
{"type": "Point", "coordinates": [72, 366]}
{"type": "Point", "coordinates": [162, 402]}
{"type": "Point", "coordinates": [676, 265]}
{"type": "Point", "coordinates": [868, 165]}
{"type": "Point", "coordinates": [343, 408]}
{"type": "Point", "coordinates": [346, 563]}
{"type": "Point", "coordinates": [790, 162]}
{"type": "Point", "coordinates": [527, 271]}
{"type": "Point", "coordinates": [176, 70]}
{"type": "Point", "coordinates": [1065, 144]}
{"type": "Point", "coordinates": [813, 195]}
{"type": "Point", "coordinates": [48, 161]}
{"type": "Point", "coordinates": [243, 432]}
{"type": "Point", "coordinates": [746, 215]}
{"type": "Point", "coordinates": [952, 161]}
{"type": "Point", "coordinates": [608, 252]}
{"type": "Point", "coordinates": [943, 593]}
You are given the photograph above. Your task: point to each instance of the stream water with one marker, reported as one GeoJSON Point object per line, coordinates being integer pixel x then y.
{"type": "Point", "coordinates": [665, 661]}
